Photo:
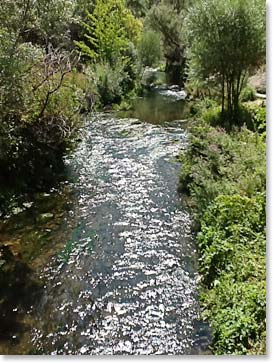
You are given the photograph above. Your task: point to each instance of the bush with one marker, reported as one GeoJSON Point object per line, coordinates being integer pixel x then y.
{"type": "Point", "coordinates": [39, 113]}
{"type": "Point", "coordinates": [225, 176]}
{"type": "Point", "coordinates": [258, 115]}
{"type": "Point", "coordinates": [213, 116]}
{"type": "Point", "coordinates": [231, 227]}
{"type": "Point", "coordinates": [149, 48]}
{"type": "Point", "coordinates": [199, 107]}
{"type": "Point", "coordinates": [220, 163]}
{"type": "Point", "coordinates": [250, 114]}
{"type": "Point", "coordinates": [237, 314]}
{"type": "Point", "coordinates": [232, 244]}
{"type": "Point", "coordinates": [248, 94]}
{"type": "Point", "coordinates": [108, 81]}
{"type": "Point", "coordinates": [114, 83]}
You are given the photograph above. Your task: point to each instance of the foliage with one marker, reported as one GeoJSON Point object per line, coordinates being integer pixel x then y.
{"type": "Point", "coordinates": [232, 245]}
{"type": "Point", "coordinates": [41, 22]}
{"type": "Point", "coordinates": [225, 176]}
{"type": "Point", "coordinates": [149, 48]}
{"type": "Point", "coordinates": [39, 114]}
{"type": "Point", "coordinates": [232, 227]}
{"type": "Point", "coordinates": [226, 40]}
{"type": "Point", "coordinates": [108, 31]}
{"type": "Point", "coordinates": [248, 94]}
{"type": "Point", "coordinates": [237, 313]}
{"type": "Point", "coordinates": [139, 7]}
{"type": "Point", "coordinates": [220, 163]}
{"type": "Point", "coordinates": [258, 114]}
{"type": "Point", "coordinates": [251, 114]}
{"type": "Point", "coordinates": [166, 18]}
{"type": "Point", "coordinates": [109, 82]}
{"type": "Point", "coordinates": [113, 83]}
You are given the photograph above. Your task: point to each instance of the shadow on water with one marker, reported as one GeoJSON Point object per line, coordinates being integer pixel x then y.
{"type": "Point", "coordinates": [29, 237]}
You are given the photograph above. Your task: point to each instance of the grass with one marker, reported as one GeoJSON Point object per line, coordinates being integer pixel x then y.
{"type": "Point", "coordinates": [224, 174]}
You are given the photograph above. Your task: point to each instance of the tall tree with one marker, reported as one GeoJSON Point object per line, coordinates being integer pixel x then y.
{"type": "Point", "coordinates": [167, 18]}
{"type": "Point", "coordinates": [109, 30]}
{"type": "Point", "coordinates": [226, 39]}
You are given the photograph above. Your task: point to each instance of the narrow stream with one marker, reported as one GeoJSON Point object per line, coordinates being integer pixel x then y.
{"type": "Point", "coordinates": [125, 281]}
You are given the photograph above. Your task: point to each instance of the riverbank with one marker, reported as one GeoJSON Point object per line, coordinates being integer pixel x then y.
{"type": "Point", "coordinates": [224, 175]}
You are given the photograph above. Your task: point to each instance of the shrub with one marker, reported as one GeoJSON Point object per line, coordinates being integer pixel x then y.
{"type": "Point", "coordinates": [225, 175]}
{"type": "Point", "coordinates": [248, 94]}
{"type": "Point", "coordinates": [237, 314]}
{"type": "Point", "coordinates": [257, 113]}
{"type": "Point", "coordinates": [108, 81]}
{"type": "Point", "coordinates": [39, 113]}
{"type": "Point", "coordinates": [232, 245]}
{"type": "Point", "coordinates": [199, 107]}
{"type": "Point", "coordinates": [149, 48]}
{"type": "Point", "coordinates": [213, 116]}
{"type": "Point", "coordinates": [231, 227]}
{"type": "Point", "coordinates": [220, 163]}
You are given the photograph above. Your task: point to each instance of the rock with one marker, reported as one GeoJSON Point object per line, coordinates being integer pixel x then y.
{"type": "Point", "coordinates": [258, 81]}
{"type": "Point", "coordinates": [136, 122]}
{"type": "Point", "coordinates": [17, 210]}
{"type": "Point", "coordinates": [261, 96]}
{"type": "Point", "coordinates": [174, 87]}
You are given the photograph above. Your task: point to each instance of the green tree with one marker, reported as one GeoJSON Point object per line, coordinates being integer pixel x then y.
{"type": "Point", "coordinates": [41, 22]}
{"type": "Point", "coordinates": [167, 18]}
{"type": "Point", "coordinates": [149, 48]}
{"type": "Point", "coordinates": [39, 105]}
{"type": "Point", "coordinates": [108, 31]}
{"type": "Point", "coordinates": [226, 40]}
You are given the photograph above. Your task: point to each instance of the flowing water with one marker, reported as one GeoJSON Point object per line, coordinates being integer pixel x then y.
{"type": "Point", "coordinates": [125, 280]}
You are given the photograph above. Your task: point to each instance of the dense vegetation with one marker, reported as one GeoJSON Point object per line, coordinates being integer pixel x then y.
{"type": "Point", "coordinates": [225, 176]}
{"type": "Point", "coordinates": [61, 58]}
{"type": "Point", "coordinates": [226, 41]}
{"type": "Point", "coordinates": [224, 171]}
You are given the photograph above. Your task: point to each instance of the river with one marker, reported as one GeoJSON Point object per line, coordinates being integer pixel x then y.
{"type": "Point", "coordinates": [119, 265]}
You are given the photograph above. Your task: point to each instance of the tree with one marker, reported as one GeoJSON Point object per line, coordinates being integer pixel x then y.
{"type": "Point", "coordinates": [149, 48]}
{"type": "Point", "coordinates": [42, 22]}
{"type": "Point", "coordinates": [226, 40]}
{"type": "Point", "coordinates": [109, 30]}
{"type": "Point", "coordinates": [167, 18]}
{"type": "Point", "coordinates": [39, 103]}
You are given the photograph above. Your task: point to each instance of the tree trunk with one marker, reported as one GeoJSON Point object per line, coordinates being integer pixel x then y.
{"type": "Point", "coordinates": [223, 94]}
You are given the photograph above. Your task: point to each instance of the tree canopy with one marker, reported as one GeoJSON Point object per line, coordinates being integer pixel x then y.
{"type": "Point", "coordinates": [226, 39]}
{"type": "Point", "coordinates": [108, 30]}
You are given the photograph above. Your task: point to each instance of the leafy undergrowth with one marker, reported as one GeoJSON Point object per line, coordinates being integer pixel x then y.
{"type": "Point", "coordinates": [225, 176]}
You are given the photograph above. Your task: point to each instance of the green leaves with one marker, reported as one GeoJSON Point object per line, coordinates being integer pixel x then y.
{"type": "Point", "coordinates": [225, 177]}
{"type": "Point", "coordinates": [108, 31]}
{"type": "Point", "coordinates": [150, 51]}
{"type": "Point", "coordinates": [226, 40]}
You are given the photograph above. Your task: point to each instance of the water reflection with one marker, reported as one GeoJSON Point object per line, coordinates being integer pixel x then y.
{"type": "Point", "coordinates": [127, 284]}
{"type": "Point", "coordinates": [159, 105]}
{"type": "Point", "coordinates": [122, 276]}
